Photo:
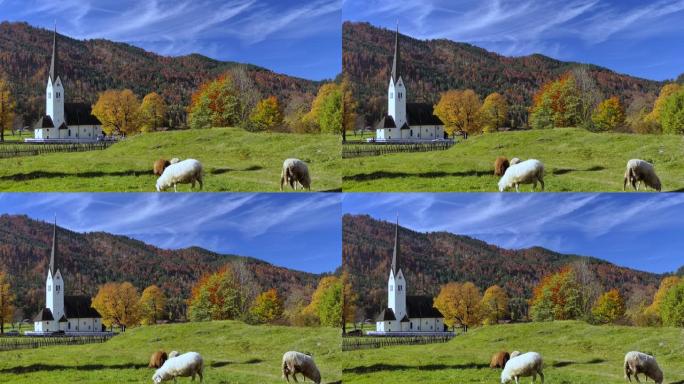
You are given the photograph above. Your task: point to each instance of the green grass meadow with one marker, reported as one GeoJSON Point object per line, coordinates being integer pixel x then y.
{"type": "Point", "coordinates": [233, 352]}
{"type": "Point", "coordinates": [573, 352]}
{"type": "Point", "coordinates": [575, 160]}
{"type": "Point", "coordinates": [234, 160]}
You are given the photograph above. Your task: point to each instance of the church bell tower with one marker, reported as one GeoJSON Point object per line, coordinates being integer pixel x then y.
{"type": "Point", "coordinates": [54, 92]}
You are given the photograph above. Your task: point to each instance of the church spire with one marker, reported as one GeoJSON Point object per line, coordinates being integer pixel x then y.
{"type": "Point", "coordinates": [53, 62]}
{"type": "Point", "coordinates": [54, 247]}
{"type": "Point", "coordinates": [395, 254]}
{"type": "Point", "coordinates": [395, 61]}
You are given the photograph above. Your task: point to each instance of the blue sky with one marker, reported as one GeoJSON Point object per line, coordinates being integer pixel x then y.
{"type": "Point", "coordinates": [298, 37]}
{"type": "Point", "coordinates": [640, 38]}
{"type": "Point", "coordinates": [297, 231]}
{"type": "Point", "coordinates": [641, 231]}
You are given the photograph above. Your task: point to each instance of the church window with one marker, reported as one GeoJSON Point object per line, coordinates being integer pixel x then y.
{"type": "Point", "coordinates": [391, 288]}
{"type": "Point", "coordinates": [391, 95]}
{"type": "Point", "coordinates": [399, 95]}
{"type": "Point", "coordinates": [49, 95]}
{"type": "Point", "coordinates": [399, 288]}
{"type": "Point", "coordinates": [57, 288]}
{"type": "Point", "coordinates": [49, 288]}
{"type": "Point", "coordinates": [57, 95]}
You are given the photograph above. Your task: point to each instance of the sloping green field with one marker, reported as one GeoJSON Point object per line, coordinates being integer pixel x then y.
{"type": "Point", "coordinates": [574, 159]}
{"type": "Point", "coordinates": [573, 352]}
{"type": "Point", "coordinates": [233, 159]}
{"type": "Point", "coordinates": [233, 352]}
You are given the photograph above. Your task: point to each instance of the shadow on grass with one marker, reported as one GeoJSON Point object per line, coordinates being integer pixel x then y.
{"type": "Point", "coordinates": [221, 171]}
{"type": "Point", "coordinates": [59, 367]}
{"type": "Point", "coordinates": [678, 382]}
{"type": "Point", "coordinates": [427, 175]}
{"type": "Point", "coordinates": [87, 175]}
{"type": "Point", "coordinates": [401, 367]}
{"type": "Point", "coordinates": [561, 364]}
{"type": "Point", "coordinates": [563, 171]}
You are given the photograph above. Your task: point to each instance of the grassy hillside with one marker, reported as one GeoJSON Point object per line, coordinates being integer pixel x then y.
{"type": "Point", "coordinates": [573, 352]}
{"type": "Point", "coordinates": [575, 160]}
{"type": "Point", "coordinates": [234, 160]}
{"type": "Point", "coordinates": [233, 353]}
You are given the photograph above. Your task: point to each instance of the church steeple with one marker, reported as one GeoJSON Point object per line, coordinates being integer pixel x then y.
{"type": "Point", "coordinates": [53, 62]}
{"type": "Point", "coordinates": [54, 247]}
{"type": "Point", "coordinates": [395, 62]}
{"type": "Point", "coordinates": [395, 253]}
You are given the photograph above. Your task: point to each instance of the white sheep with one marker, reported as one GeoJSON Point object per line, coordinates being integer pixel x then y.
{"type": "Point", "coordinates": [297, 362]}
{"type": "Point", "coordinates": [185, 365]}
{"type": "Point", "coordinates": [295, 171]}
{"type": "Point", "coordinates": [637, 362]}
{"type": "Point", "coordinates": [513, 161]}
{"type": "Point", "coordinates": [527, 172]}
{"type": "Point", "coordinates": [185, 172]}
{"type": "Point", "coordinates": [638, 171]}
{"type": "Point", "coordinates": [527, 364]}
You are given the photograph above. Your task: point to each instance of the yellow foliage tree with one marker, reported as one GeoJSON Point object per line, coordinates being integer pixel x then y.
{"type": "Point", "coordinates": [6, 301]}
{"type": "Point", "coordinates": [609, 114]}
{"type": "Point", "coordinates": [118, 304]}
{"type": "Point", "coordinates": [666, 91]}
{"type": "Point", "coordinates": [7, 105]}
{"type": "Point", "coordinates": [323, 285]}
{"type": "Point", "coordinates": [152, 112]}
{"type": "Point", "coordinates": [267, 115]}
{"type": "Point", "coordinates": [268, 306]}
{"type": "Point", "coordinates": [152, 305]}
{"type": "Point", "coordinates": [349, 297]}
{"type": "Point", "coordinates": [118, 111]}
{"type": "Point", "coordinates": [493, 112]}
{"type": "Point", "coordinates": [459, 111]}
{"type": "Point", "coordinates": [326, 90]}
{"type": "Point", "coordinates": [494, 304]}
{"type": "Point", "coordinates": [653, 310]}
{"type": "Point", "coordinates": [348, 108]}
{"type": "Point", "coordinates": [460, 303]}
{"type": "Point", "coordinates": [609, 307]}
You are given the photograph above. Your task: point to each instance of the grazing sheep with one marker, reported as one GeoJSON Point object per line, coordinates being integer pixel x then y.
{"type": "Point", "coordinates": [527, 364]}
{"type": "Point", "coordinates": [514, 161]}
{"type": "Point", "coordinates": [174, 160]}
{"type": "Point", "coordinates": [637, 362]}
{"type": "Point", "coordinates": [295, 171]}
{"type": "Point", "coordinates": [500, 165]}
{"type": "Point", "coordinates": [499, 359]}
{"type": "Point", "coordinates": [297, 362]}
{"type": "Point", "coordinates": [173, 354]}
{"type": "Point", "coordinates": [185, 172]}
{"type": "Point", "coordinates": [157, 359]}
{"type": "Point", "coordinates": [513, 354]}
{"type": "Point", "coordinates": [186, 365]}
{"type": "Point", "coordinates": [638, 171]}
{"type": "Point", "coordinates": [159, 166]}
{"type": "Point", "coordinates": [526, 172]}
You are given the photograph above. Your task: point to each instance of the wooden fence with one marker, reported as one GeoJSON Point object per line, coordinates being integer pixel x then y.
{"type": "Point", "coordinates": [352, 343]}
{"type": "Point", "coordinates": [32, 149]}
{"type": "Point", "coordinates": [9, 343]}
{"type": "Point", "coordinates": [362, 148]}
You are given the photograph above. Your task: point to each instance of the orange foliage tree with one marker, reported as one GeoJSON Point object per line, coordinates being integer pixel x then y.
{"type": "Point", "coordinates": [459, 111]}
{"type": "Point", "coordinates": [556, 104]}
{"type": "Point", "coordinates": [118, 304]}
{"type": "Point", "coordinates": [609, 307]}
{"type": "Point", "coordinates": [460, 303]}
{"type": "Point", "coordinates": [557, 297]}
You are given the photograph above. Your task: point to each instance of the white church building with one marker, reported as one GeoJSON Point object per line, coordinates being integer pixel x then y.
{"type": "Point", "coordinates": [72, 315]}
{"type": "Point", "coordinates": [64, 122]}
{"type": "Point", "coordinates": [406, 315]}
{"type": "Point", "coordinates": [406, 121]}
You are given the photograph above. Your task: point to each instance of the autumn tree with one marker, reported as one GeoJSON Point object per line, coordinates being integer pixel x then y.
{"type": "Point", "coordinates": [665, 92]}
{"type": "Point", "coordinates": [247, 89]}
{"type": "Point", "coordinates": [349, 301]}
{"type": "Point", "coordinates": [672, 114]}
{"type": "Point", "coordinates": [460, 303]}
{"type": "Point", "coordinates": [672, 306]}
{"type": "Point", "coordinates": [118, 304]}
{"type": "Point", "coordinates": [557, 297]}
{"type": "Point", "coordinates": [295, 112]}
{"type": "Point", "coordinates": [348, 107]}
{"type": "Point", "coordinates": [216, 103]}
{"type": "Point", "coordinates": [152, 305]}
{"type": "Point", "coordinates": [216, 296]}
{"type": "Point", "coordinates": [152, 112]}
{"type": "Point", "coordinates": [7, 106]}
{"type": "Point", "coordinates": [268, 307]}
{"type": "Point", "coordinates": [609, 307]}
{"type": "Point", "coordinates": [330, 118]}
{"type": "Point", "coordinates": [6, 301]}
{"type": "Point", "coordinates": [268, 114]}
{"type": "Point", "coordinates": [322, 104]}
{"type": "Point", "coordinates": [317, 307]}
{"type": "Point", "coordinates": [459, 111]}
{"type": "Point", "coordinates": [653, 311]}
{"type": "Point", "coordinates": [494, 304]}
{"type": "Point", "coordinates": [609, 115]}
{"type": "Point", "coordinates": [589, 93]}
{"type": "Point", "coordinates": [493, 112]}
{"type": "Point", "coordinates": [119, 112]}
{"type": "Point", "coordinates": [330, 306]}
{"type": "Point", "coordinates": [556, 104]}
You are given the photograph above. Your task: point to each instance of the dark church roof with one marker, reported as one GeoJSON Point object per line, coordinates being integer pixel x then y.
{"type": "Point", "coordinates": [44, 122]}
{"type": "Point", "coordinates": [421, 114]}
{"type": "Point", "coordinates": [44, 315]}
{"type": "Point", "coordinates": [53, 62]}
{"type": "Point", "coordinates": [63, 319]}
{"type": "Point", "coordinates": [386, 315]}
{"type": "Point", "coordinates": [80, 114]}
{"type": "Point", "coordinates": [396, 60]}
{"type": "Point", "coordinates": [405, 319]}
{"type": "Point", "coordinates": [385, 122]}
{"type": "Point", "coordinates": [421, 307]}
{"type": "Point", "coordinates": [79, 307]}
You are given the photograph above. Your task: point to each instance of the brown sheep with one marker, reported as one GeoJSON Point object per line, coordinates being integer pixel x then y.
{"type": "Point", "coordinates": [160, 165]}
{"type": "Point", "coordinates": [157, 359]}
{"type": "Point", "coordinates": [500, 166]}
{"type": "Point", "coordinates": [499, 359]}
